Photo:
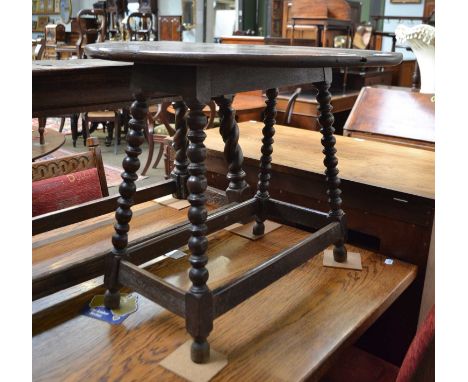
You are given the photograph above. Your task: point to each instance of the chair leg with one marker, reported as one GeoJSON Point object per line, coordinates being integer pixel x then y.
{"type": "Point", "coordinates": [118, 129]}
{"type": "Point", "coordinates": [74, 127]}
{"type": "Point", "coordinates": [150, 155]}
{"type": "Point", "coordinates": [62, 124]}
{"type": "Point", "coordinates": [161, 151]}
{"type": "Point", "coordinates": [85, 130]}
{"type": "Point", "coordinates": [149, 138]}
{"type": "Point", "coordinates": [110, 134]}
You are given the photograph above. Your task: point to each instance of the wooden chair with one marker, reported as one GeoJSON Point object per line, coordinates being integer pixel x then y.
{"type": "Point", "coordinates": [139, 26]}
{"type": "Point", "coordinates": [64, 182]}
{"type": "Point", "coordinates": [288, 112]}
{"type": "Point", "coordinates": [91, 33]}
{"type": "Point", "coordinates": [38, 48]}
{"type": "Point", "coordinates": [418, 365]}
{"type": "Point", "coordinates": [158, 115]}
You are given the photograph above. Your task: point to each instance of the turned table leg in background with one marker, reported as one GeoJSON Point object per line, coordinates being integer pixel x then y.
{"type": "Point", "coordinates": [238, 188]}
{"type": "Point", "coordinates": [264, 175]}
{"type": "Point", "coordinates": [331, 163]}
{"type": "Point", "coordinates": [180, 144]}
{"type": "Point", "coordinates": [123, 214]}
{"type": "Point", "coordinates": [199, 299]}
{"type": "Point", "coordinates": [74, 127]}
{"type": "Point", "coordinates": [42, 122]}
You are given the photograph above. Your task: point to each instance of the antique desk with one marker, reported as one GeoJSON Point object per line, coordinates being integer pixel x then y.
{"type": "Point", "coordinates": [394, 115]}
{"type": "Point", "coordinates": [388, 196]}
{"type": "Point", "coordinates": [199, 73]}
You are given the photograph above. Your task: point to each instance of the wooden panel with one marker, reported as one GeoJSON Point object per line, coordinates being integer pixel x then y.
{"type": "Point", "coordinates": [404, 76]}
{"type": "Point", "coordinates": [393, 112]}
{"type": "Point", "coordinates": [169, 28]}
{"type": "Point", "coordinates": [62, 166]}
{"type": "Point", "coordinates": [310, 323]}
{"type": "Point", "coordinates": [250, 40]}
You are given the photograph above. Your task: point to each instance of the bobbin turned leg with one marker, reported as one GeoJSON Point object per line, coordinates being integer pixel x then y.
{"type": "Point", "coordinates": [331, 163]}
{"type": "Point", "coordinates": [180, 144]}
{"type": "Point", "coordinates": [127, 189]}
{"type": "Point", "coordinates": [265, 161]}
{"type": "Point", "coordinates": [238, 188]}
{"type": "Point", "coordinates": [199, 299]}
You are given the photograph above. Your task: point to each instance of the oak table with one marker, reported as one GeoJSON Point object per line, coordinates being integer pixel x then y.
{"type": "Point", "coordinates": [198, 73]}
{"type": "Point", "coordinates": [324, 309]}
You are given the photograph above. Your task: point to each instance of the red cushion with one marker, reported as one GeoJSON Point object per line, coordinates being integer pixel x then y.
{"type": "Point", "coordinates": [418, 364]}
{"type": "Point", "coordinates": [356, 365]}
{"type": "Point", "coordinates": [65, 191]}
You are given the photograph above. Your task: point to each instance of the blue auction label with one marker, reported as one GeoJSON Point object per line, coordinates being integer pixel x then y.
{"type": "Point", "coordinates": [96, 309]}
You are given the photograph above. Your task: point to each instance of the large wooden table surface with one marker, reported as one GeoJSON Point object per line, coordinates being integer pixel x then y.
{"type": "Point", "coordinates": [323, 310]}
{"type": "Point", "coordinates": [377, 164]}
{"type": "Point", "coordinates": [72, 86]}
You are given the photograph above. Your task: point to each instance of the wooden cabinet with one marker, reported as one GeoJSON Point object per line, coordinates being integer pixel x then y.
{"type": "Point", "coordinates": [170, 28]}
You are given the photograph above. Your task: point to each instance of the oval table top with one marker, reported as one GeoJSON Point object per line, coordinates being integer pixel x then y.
{"type": "Point", "coordinates": [187, 53]}
{"type": "Point", "coordinates": [53, 141]}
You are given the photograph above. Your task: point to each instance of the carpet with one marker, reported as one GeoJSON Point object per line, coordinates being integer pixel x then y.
{"type": "Point", "coordinates": [113, 177]}
{"type": "Point", "coordinates": [54, 123]}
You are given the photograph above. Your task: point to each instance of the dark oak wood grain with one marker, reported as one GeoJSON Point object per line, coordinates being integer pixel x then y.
{"type": "Point", "coordinates": [162, 52]}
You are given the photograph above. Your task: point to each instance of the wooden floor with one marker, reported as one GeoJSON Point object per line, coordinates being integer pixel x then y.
{"type": "Point", "coordinates": [290, 330]}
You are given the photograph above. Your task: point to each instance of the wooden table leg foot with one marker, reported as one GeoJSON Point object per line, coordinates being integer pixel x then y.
{"type": "Point", "coordinates": [200, 351]}
{"type": "Point", "coordinates": [340, 254]}
{"type": "Point", "coordinates": [112, 299]}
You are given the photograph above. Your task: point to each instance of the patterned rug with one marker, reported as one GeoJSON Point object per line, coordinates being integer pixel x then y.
{"type": "Point", "coordinates": [113, 178]}
{"type": "Point", "coordinates": [54, 123]}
